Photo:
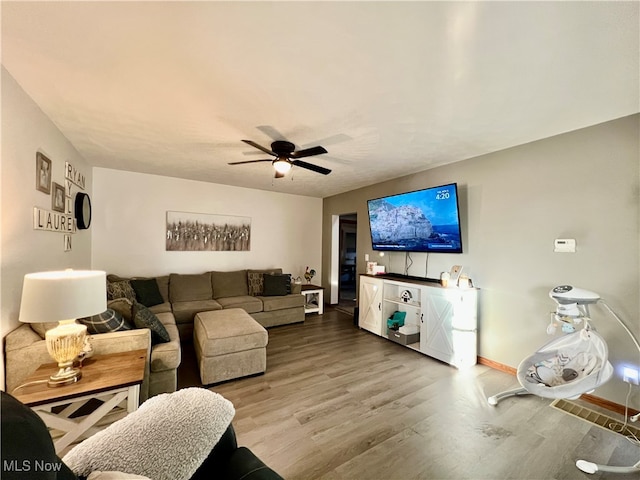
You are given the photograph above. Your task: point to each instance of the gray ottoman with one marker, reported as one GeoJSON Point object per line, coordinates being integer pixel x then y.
{"type": "Point", "coordinates": [229, 344]}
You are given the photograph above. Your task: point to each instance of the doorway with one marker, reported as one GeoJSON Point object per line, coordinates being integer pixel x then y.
{"type": "Point", "coordinates": [348, 227]}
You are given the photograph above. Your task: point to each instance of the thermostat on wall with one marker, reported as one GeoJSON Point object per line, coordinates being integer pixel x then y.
{"type": "Point", "coordinates": [565, 245]}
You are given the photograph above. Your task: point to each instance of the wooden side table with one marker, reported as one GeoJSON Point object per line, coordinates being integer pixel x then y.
{"type": "Point", "coordinates": [313, 298]}
{"type": "Point", "coordinates": [112, 379]}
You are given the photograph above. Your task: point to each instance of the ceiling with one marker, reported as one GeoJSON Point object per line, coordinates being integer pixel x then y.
{"type": "Point", "coordinates": [388, 88]}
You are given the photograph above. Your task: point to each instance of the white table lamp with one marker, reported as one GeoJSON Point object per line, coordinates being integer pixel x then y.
{"type": "Point", "coordinates": [63, 296]}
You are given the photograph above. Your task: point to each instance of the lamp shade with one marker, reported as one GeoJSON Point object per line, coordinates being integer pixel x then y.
{"type": "Point", "coordinates": [63, 295]}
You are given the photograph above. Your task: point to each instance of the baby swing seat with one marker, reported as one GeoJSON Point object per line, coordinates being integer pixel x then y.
{"type": "Point", "coordinates": [567, 367]}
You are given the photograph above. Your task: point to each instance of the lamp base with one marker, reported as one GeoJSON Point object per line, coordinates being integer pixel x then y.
{"type": "Point", "coordinates": [64, 343]}
{"type": "Point", "coordinates": [65, 376]}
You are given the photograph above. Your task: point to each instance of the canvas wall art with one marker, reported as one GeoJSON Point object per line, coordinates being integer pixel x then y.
{"type": "Point", "coordinates": [206, 232]}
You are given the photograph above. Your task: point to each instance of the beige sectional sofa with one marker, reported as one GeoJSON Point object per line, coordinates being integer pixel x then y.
{"type": "Point", "coordinates": [182, 297]}
{"type": "Point", "coordinates": [191, 294]}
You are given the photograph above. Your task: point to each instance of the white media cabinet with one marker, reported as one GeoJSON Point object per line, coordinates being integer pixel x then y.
{"type": "Point", "coordinates": [447, 317]}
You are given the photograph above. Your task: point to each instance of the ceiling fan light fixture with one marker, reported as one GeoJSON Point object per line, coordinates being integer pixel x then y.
{"type": "Point", "coordinates": [284, 152]}
{"type": "Point", "coordinates": [281, 165]}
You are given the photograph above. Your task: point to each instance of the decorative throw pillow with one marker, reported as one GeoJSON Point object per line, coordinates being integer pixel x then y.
{"type": "Point", "coordinates": [145, 318]}
{"type": "Point", "coordinates": [276, 285]}
{"type": "Point", "coordinates": [147, 291]}
{"type": "Point", "coordinates": [105, 322]}
{"type": "Point", "coordinates": [124, 307]}
{"type": "Point", "coordinates": [122, 289]}
{"type": "Point", "coordinates": [255, 281]}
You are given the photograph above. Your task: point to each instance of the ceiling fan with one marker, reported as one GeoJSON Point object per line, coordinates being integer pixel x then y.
{"type": "Point", "coordinates": [287, 156]}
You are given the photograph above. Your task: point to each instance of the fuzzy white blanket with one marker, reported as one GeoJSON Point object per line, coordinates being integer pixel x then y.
{"type": "Point", "coordinates": [167, 438]}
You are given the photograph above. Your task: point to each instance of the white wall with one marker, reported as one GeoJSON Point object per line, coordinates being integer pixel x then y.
{"type": "Point", "coordinates": [514, 203]}
{"type": "Point", "coordinates": [130, 220]}
{"type": "Point", "coordinates": [25, 131]}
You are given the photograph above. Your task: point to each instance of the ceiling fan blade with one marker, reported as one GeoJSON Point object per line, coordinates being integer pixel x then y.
{"type": "Point", "coordinates": [259, 147]}
{"type": "Point", "coordinates": [309, 152]}
{"type": "Point", "coordinates": [309, 166]}
{"type": "Point", "coordinates": [271, 132]}
{"type": "Point", "coordinates": [250, 161]}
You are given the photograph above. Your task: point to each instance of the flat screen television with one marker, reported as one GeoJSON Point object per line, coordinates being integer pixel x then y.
{"type": "Point", "coordinates": [422, 221]}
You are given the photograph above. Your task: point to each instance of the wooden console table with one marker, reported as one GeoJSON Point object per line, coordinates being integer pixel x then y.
{"type": "Point", "coordinates": [112, 379]}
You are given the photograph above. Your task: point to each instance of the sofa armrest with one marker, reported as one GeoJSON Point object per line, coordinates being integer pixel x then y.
{"type": "Point", "coordinates": [244, 465]}
{"type": "Point", "coordinates": [122, 341]}
{"type": "Point", "coordinates": [167, 356]}
{"type": "Point", "coordinates": [25, 351]}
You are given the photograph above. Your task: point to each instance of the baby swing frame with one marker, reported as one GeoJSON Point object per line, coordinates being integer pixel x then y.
{"type": "Point", "coordinates": [573, 307]}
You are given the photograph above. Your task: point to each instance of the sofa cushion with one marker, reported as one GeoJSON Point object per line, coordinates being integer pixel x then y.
{"type": "Point", "coordinates": [120, 289]}
{"type": "Point", "coordinates": [279, 317]}
{"type": "Point", "coordinates": [242, 461]}
{"type": "Point", "coordinates": [276, 284]}
{"type": "Point", "coordinates": [246, 302]}
{"type": "Point", "coordinates": [270, 304]}
{"type": "Point", "coordinates": [144, 318]}
{"type": "Point", "coordinates": [255, 279]}
{"type": "Point", "coordinates": [186, 288]}
{"type": "Point", "coordinates": [229, 284]}
{"type": "Point", "coordinates": [108, 321]}
{"type": "Point", "coordinates": [161, 308]}
{"type": "Point", "coordinates": [163, 286]}
{"type": "Point", "coordinates": [185, 311]}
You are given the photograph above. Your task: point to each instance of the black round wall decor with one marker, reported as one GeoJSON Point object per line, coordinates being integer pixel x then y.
{"type": "Point", "coordinates": [82, 210]}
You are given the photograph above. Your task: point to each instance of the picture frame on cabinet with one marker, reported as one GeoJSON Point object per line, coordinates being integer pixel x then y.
{"type": "Point", "coordinates": [43, 173]}
{"type": "Point", "coordinates": [58, 198]}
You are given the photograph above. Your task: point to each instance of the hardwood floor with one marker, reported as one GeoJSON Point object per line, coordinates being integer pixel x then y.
{"type": "Point", "coordinates": [340, 403]}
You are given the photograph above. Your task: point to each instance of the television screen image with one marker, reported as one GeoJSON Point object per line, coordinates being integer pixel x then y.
{"type": "Point", "coordinates": [422, 221]}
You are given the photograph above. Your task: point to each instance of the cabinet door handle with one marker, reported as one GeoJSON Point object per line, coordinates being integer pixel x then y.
{"type": "Point", "coordinates": [379, 305]}
{"type": "Point", "coordinates": [422, 318]}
